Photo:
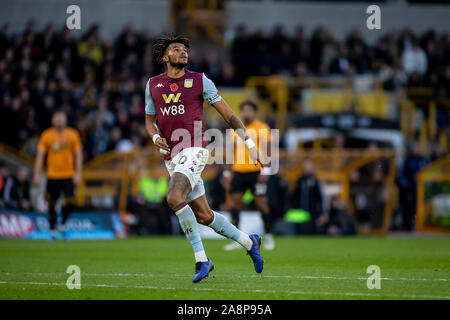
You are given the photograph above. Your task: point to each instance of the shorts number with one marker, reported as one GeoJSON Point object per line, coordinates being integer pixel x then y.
{"type": "Point", "coordinates": [182, 160]}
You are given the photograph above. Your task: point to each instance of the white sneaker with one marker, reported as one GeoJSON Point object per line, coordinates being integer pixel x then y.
{"type": "Point", "coordinates": [269, 242]}
{"type": "Point", "coordinates": [233, 245]}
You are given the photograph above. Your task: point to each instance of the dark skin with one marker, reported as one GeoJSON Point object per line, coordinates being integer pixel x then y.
{"type": "Point", "coordinates": [176, 59]}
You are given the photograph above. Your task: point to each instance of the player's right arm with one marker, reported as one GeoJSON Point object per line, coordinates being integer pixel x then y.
{"type": "Point", "coordinates": [150, 125]}
{"type": "Point", "coordinates": [150, 121]}
{"type": "Point", "coordinates": [41, 150]}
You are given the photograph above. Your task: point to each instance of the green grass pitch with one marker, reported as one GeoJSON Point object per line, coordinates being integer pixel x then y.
{"type": "Point", "coordinates": [162, 268]}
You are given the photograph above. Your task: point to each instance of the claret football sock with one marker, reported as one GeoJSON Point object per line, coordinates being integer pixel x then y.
{"type": "Point", "coordinates": [189, 226]}
{"type": "Point", "coordinates": [222, 226]}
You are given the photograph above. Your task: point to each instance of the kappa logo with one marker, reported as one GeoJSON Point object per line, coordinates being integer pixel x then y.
{"type": "Point", "coordinates": [171, 97]}
{"type": "Point", "coordinates": [159, 85]}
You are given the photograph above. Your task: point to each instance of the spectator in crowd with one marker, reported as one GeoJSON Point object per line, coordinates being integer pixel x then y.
{"type": "Point", "coordinates": [89, 47]}
{"type": "Point", "coordinates": [309, 196]}
{"type": "Point", "coordinates": [337, 221]}
{"type": "Point", "coordinates": [414, 59]}
{"type": "Point", "coordinates": [278, 195]}
{"type": "Point", "coordinates": [368, 195]}
{"type": "Point", "coordinates": [4, 175]}
{"type": "Point", "coordinates": [16, 194]}
{"type": "Point", "coordinates": [413, 163]}
{"type": "Point", "coordinates": [392, 76]}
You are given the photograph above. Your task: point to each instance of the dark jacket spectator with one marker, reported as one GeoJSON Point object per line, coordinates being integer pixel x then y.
{"type": "Point", "coordinates": [413, 163]}
{"type": "Point", "coordinates": [309, 196]}
{"type": "Point", "coordinates": [16, 194]}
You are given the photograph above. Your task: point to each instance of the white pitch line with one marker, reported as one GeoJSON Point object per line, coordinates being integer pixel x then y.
{"type": "Point", "coordinates": [360, 294]}
{"type": "Point", "coordinates": [63, 274]}
{"type": "Point", "coordinates": [225, 275]}
{"type": "Point", "coordinates": [344, 278]}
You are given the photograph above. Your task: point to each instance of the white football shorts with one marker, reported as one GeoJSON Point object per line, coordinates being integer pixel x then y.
{"type": "Point", "coordinates": [190, 162]}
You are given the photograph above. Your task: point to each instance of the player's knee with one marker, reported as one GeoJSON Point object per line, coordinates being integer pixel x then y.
{"type": "Point", "coordinates": [174, 198]}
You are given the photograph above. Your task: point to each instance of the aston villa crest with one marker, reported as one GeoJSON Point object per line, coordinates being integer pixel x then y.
{"type": "Point", "coordinates": [188, 83]}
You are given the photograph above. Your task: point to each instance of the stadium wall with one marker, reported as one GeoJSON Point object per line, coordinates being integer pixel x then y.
{"type": "Point", "coordinates": [112, 15]}
{"type": "Point", "coordinates": [339, 17]}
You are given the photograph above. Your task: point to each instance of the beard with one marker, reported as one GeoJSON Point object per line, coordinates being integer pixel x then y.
{"type": "Point", "coordinates": [178, 65]}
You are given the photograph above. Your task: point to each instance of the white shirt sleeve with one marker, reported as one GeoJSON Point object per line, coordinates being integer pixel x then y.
{"type": "Point", "coordinates": [210, 91]}
{"type": "Point", "coordinates": [149, 103]}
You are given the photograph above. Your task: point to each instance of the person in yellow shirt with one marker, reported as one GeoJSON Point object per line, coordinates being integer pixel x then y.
{"type": "Point", "coordinates": [62, 145]}
{"type": "Point", "coordinates": [244, 174]}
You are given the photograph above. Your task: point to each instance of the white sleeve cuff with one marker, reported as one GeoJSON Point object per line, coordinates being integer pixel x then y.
{"type": "Point", "coordinates": [249, 143]}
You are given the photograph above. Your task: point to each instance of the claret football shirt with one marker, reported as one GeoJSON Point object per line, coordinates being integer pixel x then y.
{"type": "Point", "coordinates": [178, 106]}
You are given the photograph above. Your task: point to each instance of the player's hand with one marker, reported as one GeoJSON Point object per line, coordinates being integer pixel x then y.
{"type": "Point", "coordinates": [162, 144]}
{"type": "Point", "coordinates": [37, 179]}
{"type": "Point", "coordinates": [256, 156]}
{"type": "Point", "coordinates": [76, 178]}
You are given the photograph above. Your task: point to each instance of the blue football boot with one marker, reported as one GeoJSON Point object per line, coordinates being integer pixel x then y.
{"type": "Point", "coordinates": [202, 270]}
{"type": "Point", "coordinates": [255, 253]}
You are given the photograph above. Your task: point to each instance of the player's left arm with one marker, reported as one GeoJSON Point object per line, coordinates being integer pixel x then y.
{"type": "Point", "coordinates": [211, 95]}
{"type": "Point", "coordinates": [236, 124]}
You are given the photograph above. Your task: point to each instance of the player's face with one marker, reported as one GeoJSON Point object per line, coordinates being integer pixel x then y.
{"type": "Point", "coordinates": [177, 55]}
{"type": "Point", "coordinates": [59, 120]}
{"type": "Point", "coordinates": [248, 114]}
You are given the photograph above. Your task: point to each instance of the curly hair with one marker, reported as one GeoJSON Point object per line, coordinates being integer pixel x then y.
{"type": "Point", "coordinates": [162, 43]}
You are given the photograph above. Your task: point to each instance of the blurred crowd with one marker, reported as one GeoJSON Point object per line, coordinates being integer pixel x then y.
{"type": "Point", "coordinates": [398, 58]}
{"type": "Point", "coordinates": [100, 83]}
